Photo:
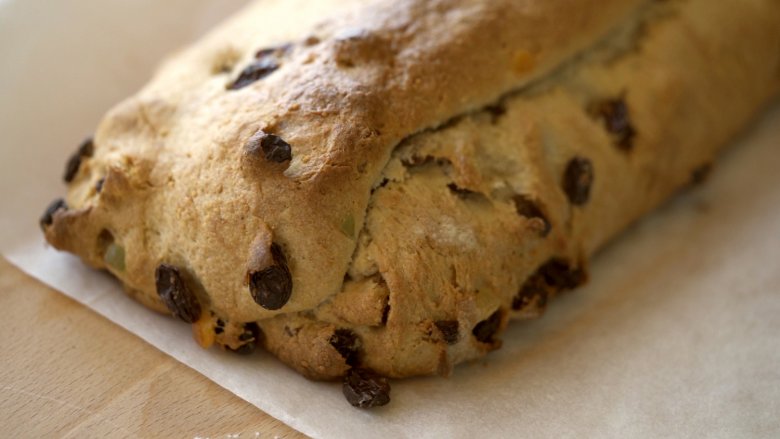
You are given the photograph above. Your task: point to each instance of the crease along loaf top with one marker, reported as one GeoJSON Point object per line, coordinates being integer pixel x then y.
{"type": "Point", "coordinates": [382, 185]}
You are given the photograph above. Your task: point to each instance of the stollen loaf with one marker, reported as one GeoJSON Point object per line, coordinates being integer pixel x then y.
{"type": "Point", "coordinates": [372, 190]}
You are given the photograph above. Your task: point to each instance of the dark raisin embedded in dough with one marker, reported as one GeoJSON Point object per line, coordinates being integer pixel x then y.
{"type": "Point", "coordinates": [252, 336]}
{"type": "Point", "coordinates": [347, 344]}
{"type": "Point", "coordinates": [562, 276]}
{"type": "Point", "coordinates": [271, 287]}
{"type": "Point", "coordinates": [271, 146]}
{"type": "Point", "coordinates": [534, 287]}
{"type": "Point", "coordinates": [86, 149]}
{"type": "Point", "coordinates": [701, 173]}
{"type": "Point", "coordinates": [173, 291]}
{"type": "Point", "coordinates": [617, 121]}
{"type": "Point", "coordinates": [577, 180]}
{"type": "Point", "coordinates": [251, 332]}
{"type": "Point", "coordinates": [530, 209]}
{"type": "Point", "coordinates": [256, 71]}
{"type": "Point", "coordinates": [99, 185]}
{"type": "Point", "coordinates": [48, 215]}
{"type": "Point", "coordinates": [449, 330]}
{"type": "Point", "coordinates": [276, 149]}
{"type": "Point", "coordinates": [486, 329]}
{"type": "Point", "coordinates": [554, 276]}
{"type": "Point", "coordinates": [365, 389]}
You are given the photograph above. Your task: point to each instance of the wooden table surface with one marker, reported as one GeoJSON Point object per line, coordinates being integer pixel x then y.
{"type": "Point", "coordinates": [68, 372]}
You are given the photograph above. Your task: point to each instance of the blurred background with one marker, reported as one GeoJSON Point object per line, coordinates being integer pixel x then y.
{"type": "Point", "coordinates": [64, 64]}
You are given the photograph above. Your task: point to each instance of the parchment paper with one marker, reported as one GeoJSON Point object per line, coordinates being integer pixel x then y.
{"type": "Point", "coordinates": [677, 334]}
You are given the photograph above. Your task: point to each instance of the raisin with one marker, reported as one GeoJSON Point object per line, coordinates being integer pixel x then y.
{"type": "Point", "coordinates": [48, 215]}
{"type": "Point", "coordinates": [365, 389]}
{"type": "Point", "coordinates": [99, 185]}
{"type": "Point", "coordinates": [535, 286]}
{"type": "Point", "coordinates": [529, 209]}
{"type": "Point", "coordinates": [173, 291]}
{"type": "Point", "coordinates": [449, 330]}
{"type": "Point", "coordinates": [74, 162]}
{"type": "Point", "coordinates": [246, 336]}
{"type": "Point", "coordinates": [251, 336]}
{"type": "Point", "coordinates": [256, 71]}
{"type": "Point", "coordinates": [486, 329]}
{"type": "Point", "coordinates": [553, 276]}
{"type": "Point", "coordinates": [276, 149]}
{"type": "Point", "coordinates": [617, 122]}
{"type": "Point", "coordinates": [272, 147]}
{"type": "Point", "coordinates": [347, 344]}
{"type": "Point", "coordinates": [271, 287]}
{"type": "Point", "coordinates": [560, 275]}
{"type": "Point", "coordinates": [577, 180]}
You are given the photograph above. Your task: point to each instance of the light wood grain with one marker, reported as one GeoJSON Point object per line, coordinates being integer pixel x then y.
{"type": "Point", "coordinates": [67, 372]}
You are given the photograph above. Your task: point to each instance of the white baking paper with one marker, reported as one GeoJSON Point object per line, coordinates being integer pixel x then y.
{"type": "Point", "coordinates": [677, 334]}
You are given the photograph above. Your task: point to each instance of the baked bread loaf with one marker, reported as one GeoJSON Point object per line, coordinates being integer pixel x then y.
{"type": "Point", "coordinates": [381, 186]}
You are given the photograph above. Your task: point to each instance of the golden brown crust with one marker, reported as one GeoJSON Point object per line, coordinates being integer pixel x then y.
{"type": "Point", "coordinates": [432, 227]}
{"type": "Point", "coordinates": [414, 64]}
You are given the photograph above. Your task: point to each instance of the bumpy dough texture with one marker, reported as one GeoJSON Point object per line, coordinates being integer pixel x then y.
{"type": "Point", "coordinates": [454, 163]}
